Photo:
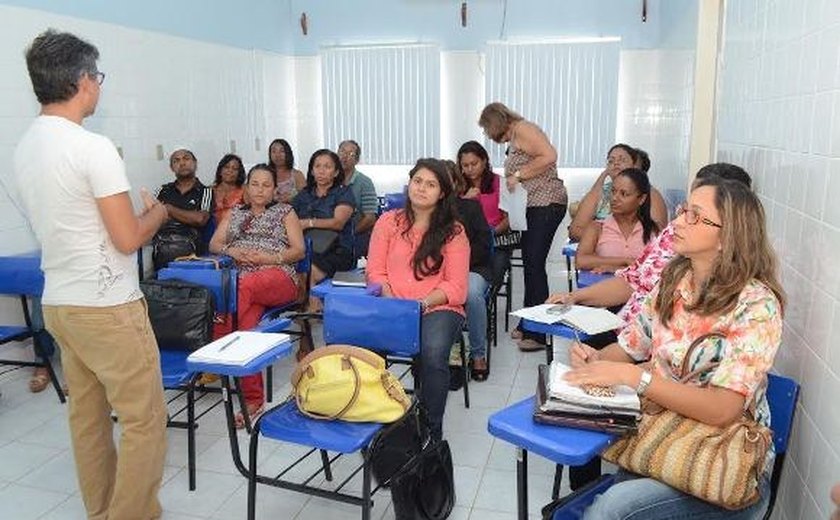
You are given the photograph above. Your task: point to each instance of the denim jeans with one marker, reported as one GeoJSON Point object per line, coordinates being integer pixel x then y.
{"type": "Point", "coordinates": [542, 222]}
{"type": "Point", "coordinates": [633, 497]}
{"type": "Point", "coordinates": [476, 307]}
{"type": "Point", "coordinates": [439, 330]}
{"type": "Point", "coordinates": [42, 341]}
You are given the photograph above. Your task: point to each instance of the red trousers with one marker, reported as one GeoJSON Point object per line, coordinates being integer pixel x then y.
{"type": "Point", "coordinates": [258, 291]}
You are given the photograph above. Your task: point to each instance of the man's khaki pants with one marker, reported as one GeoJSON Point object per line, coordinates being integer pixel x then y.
{"type": "Point", "coordinates": [111, 361]}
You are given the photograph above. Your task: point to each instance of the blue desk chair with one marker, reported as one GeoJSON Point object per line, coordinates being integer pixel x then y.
{"type": "Point", "coordinates": [782, 395]}
{"type": "Point", "coordinates": [386, 325]}
{"type": "Point", "coordinates": [21, 276]}
{"type": "Point", "coordinates": [569, 252]}
{"type": "Point", "coordinates": [394, 201]}
{"type": "Point", "coordinates": [173, 363]}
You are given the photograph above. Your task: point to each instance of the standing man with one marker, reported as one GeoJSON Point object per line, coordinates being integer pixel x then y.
{"type": "Point", "coordinates": [189, 203]}
{"type": "Point", "coordinates": [76, 195]}
{"type": "Point", "coordinates": [364, 214]}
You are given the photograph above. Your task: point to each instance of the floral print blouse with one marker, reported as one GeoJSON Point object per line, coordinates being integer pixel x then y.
{"type": "Point", "coordinates": [643, 274]}
{"type": "Point", "coordinates": [752, 333]}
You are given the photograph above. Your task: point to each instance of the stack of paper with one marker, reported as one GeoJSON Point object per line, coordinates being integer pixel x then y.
{"type": "Point", "coordinates": [561, 394]}
{"type": "Point", "coordinates": [559, 403]}
{"type": "Point", "coordinates": [349, 279]}
{"type": "Point", "coordinates": [591, 320]}
{"type": "Point", "coordinates": [238, 348]}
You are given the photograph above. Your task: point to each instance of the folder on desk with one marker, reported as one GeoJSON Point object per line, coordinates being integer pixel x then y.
{"type": "Point", "coordinates": [583, 413]}
{"type": "Point", "coordinates": [591, 320]}
{"type": "Point", "coordinates": [238, 348]}
{"type": "Point", "coordinates": [349, 279]}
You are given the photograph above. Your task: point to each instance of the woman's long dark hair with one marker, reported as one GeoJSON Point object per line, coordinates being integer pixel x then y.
{"type": "Point", "coordinates": [240, 173]}
{"type": "Point", "coordinates": [475, 148]}
{"type": "Point", "coordinates": [443, 225]}
{"type": "Point", "coordinates": [642, 183]}
{"type": "Point", "coordinates": [289, 156]}
{"type": "Point", "coordinates": [310, 176]}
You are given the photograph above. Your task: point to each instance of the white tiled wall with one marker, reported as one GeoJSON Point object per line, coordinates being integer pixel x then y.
{"type": "Point", "coordinates": [654, 100]}
{"type": "Point", "coordinates": [779, 116]}
{"type": "Point", "coordinates": [159, 90]}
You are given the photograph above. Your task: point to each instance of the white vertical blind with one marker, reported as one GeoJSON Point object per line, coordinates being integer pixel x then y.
{"type": "Point", "coordinates": [385, 97]}
{"type": "Point", "coordinates": [569, 89]}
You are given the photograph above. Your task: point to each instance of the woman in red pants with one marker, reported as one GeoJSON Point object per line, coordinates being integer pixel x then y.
{"type": "Point", "coordinates": [265, 240]}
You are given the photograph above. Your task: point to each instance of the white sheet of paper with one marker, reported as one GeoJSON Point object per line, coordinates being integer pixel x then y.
{"type": "Point", "coordinates": [515, 204]}
{"type": "Point", "coordinates": [625, 397]}
{"type": "Point", "coordinates": [248, 346]}
{"type": "Point", "coordinates": [591, 320]}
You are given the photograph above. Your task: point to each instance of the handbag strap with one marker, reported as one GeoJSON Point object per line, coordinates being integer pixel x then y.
{"type": "Point", "coordinates": [347, 360]}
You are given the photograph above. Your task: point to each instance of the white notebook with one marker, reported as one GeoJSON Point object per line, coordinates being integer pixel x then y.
{"type": "Point", "coordinates": [625, 397]}
{"type": "Point", "coordinates": [591, 320]}
{"type": "Point", "coordinates": [238, 348]}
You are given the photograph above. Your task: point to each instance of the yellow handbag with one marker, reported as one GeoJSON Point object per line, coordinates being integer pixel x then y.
{"type": "Point", "coordinates": [348, 383]}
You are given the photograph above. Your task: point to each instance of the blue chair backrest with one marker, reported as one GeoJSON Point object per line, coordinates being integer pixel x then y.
{"type": "Point", "coordinates": [782, 393]}
{"type": "Point", "coordinates": [213, 279]}
{"type": "Point", "coordinates": [21, 275]}
{"type": "Point", "coordinates": [304, 264]}
{"type": "Point", "coordinates": [394, 201]}
{"type": "Point", "coordinates": [387, 325]}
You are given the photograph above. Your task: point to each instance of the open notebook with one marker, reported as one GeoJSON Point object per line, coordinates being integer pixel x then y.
{"type": "Point", "coordinates": [625, 398]}
{"type": "Point", "coordinates": [591, 320]}
{"type": "Point", "coordinates": [238, 348]}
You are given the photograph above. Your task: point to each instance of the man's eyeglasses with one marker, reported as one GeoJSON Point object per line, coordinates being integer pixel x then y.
{"type": "Point", "coordinates": [692, 217]}
{"type": "Point", "coordinates": [99, 77]}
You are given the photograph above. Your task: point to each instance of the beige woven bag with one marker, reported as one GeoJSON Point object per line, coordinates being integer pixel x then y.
{"type": "Point", "coordinates": [719, 465]}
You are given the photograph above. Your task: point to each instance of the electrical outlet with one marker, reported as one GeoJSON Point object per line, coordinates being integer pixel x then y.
{"type": "Point", "coordinates": [233, 146]}
{"type": "Point", "coordinates": [257, 144]}
{"type": "Point", "coordinates": [120, 151]}
{"type": "Point", "coordinates": [159, 152]}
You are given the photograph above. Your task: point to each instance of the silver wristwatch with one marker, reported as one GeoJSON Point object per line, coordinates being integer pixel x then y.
{"type": "Point", "coordinates": [644, 382]}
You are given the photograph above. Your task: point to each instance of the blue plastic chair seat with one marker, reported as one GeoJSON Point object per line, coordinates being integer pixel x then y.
{"type": "Point", "coordinates": [173, 366]}
{"type": "Point", "coordinates": [588, 278]}
{"type": "Point", "coordinates": [515, 424]}
{"type": "Point", "coordinates": [10, 332]}
{"type": "Point", "coordinates": [577, 504]}
{"type": "Point", "coordinates": [286, 423]}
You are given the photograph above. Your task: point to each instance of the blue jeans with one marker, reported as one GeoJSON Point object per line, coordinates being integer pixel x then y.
{"type": "Point", "coordinates": [633, 497]}
{"type": "Point", "coordinates": [42, 341]}
{"type": "Point", "coordinates": [438, 331]}
{"type": "Point", "coordinates": [477, 315]}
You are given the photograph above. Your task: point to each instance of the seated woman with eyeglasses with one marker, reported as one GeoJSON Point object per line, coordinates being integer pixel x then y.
{"type": "Point", "coordinates": [620, 237]}
{"type": "Point", "coordinates": [265, 240]}
{"type": "Point", "coordinates": [422, 253]}
{"type": "Point", "coordinates": [722, 280]}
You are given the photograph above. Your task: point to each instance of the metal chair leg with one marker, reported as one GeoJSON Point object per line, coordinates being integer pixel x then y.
{"type": "Point", "coordinates": [191, 434]}
{"type": "Point", "coordinates": [463, 351]}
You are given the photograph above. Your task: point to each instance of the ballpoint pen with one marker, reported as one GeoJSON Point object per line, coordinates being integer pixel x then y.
{"type": "Point", "coordinates": [229, 343]}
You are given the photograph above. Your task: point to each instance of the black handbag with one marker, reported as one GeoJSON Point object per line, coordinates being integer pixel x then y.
{"type": "Point", "coordinates": [425, 488]}
{"type": "Point", "coordinates": [322, 239]}
{"type": "Point", "coordinates": [167, 246]}
{"type": "Point", "coordinates": [398, 443]}
{"type": "Point", "coordinates": [181, 313]}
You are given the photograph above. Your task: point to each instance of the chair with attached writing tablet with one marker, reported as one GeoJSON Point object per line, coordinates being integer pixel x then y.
{"type": "Point", "coordinates": [385, 325]}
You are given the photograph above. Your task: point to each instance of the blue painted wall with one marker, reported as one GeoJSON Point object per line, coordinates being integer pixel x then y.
{"type": "Point", "coordinates": [274, 24]}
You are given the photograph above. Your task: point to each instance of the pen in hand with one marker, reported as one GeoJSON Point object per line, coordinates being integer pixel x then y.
{"type": "Point", "coordinates": [229, 343]}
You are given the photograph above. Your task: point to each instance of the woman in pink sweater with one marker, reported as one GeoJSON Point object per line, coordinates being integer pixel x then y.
{"type": "Point", "coordinates": [422, 253]}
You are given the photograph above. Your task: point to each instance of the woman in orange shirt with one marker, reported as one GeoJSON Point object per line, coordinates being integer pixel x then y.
{"type": "Point", "coordinates": [227, 188]}
{"type": "Point", "coordinates": [422, 253]}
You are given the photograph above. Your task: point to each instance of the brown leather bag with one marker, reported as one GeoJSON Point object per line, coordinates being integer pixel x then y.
{"type": "Point", "coordinates": [719, 465]}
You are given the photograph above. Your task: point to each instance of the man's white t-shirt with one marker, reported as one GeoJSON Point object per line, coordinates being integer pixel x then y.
{"type": "Point", "coordinates": [61, 169]}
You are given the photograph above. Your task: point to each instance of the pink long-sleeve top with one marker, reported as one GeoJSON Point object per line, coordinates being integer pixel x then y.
{"type": "Point", "coordinates": [389, 262]}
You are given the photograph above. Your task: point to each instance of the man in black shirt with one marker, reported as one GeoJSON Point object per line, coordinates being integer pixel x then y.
{"type": "Point", "coordinates": [189, 203]}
